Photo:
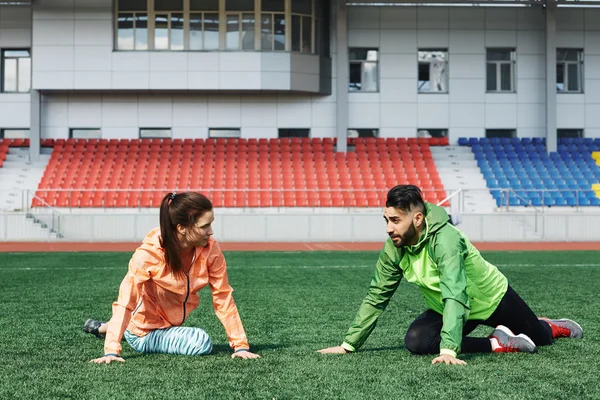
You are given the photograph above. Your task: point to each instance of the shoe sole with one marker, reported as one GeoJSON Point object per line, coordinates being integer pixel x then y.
{"type": "Point", "coordinates": [529, 348]}
{"type": "Point", "coordinates": [95, 332]}
{"type": "Point", "coordinates": [570, 321]}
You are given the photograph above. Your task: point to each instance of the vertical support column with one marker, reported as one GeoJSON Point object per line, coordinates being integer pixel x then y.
{"type": "Point", "coordinates": [35, 125]}
{"type": "Point", "coordinates": [551, 136]}
{"type": "Point", "coordinates": [342, 71]}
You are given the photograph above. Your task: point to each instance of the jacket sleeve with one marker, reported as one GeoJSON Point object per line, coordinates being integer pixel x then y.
{"type": "Point", "coordinates": [383, 285]}
{"type": "Point", "coordinates": [449, 252]}
{"type": "Point", "coordinates": [223, 303]}
{"type": "Point", "coordinates": [129, 296]}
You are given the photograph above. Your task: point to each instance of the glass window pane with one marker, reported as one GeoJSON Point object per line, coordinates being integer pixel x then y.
{"type": "Point", "coordinates": [133, 5]}
{"type": "Point", "coordinates": [155, 133]}
{"type": "Point", "coordinates": [567, 55]}
{"type": "Point", "coordinates": [358, 54]}
{"type": "Point", "coordinates": [86, 133]}
{"type": "Point", "coordinates": [266, 32]}
{"type": "Point", "coordinates": [168, 5]}
{"type": "Point", "coordinates": [432, 55]}
{"type": "Point", "coordinates": [16, 53]}
{"type": "Point", "coordinates": [296, 33]}
{"type": "Point", "coordinates": [15, 133]}
{"type": "Point", "coordinates": [279, 31]}
{"type": "Point", "coordinates": [125, 32]}
{"type": "Point", "coordinates": [369, 77]}
{"type": "Point", "coordinates": [141, 32]}
{"type": "Point", "coordinates": [573, 77]}
{"type": "Point", "coordinates": [317, 36]}
{"type": "Point", "coordinates": [355, 77]}
{"type": "Point", "coordinates": [499, 55]}
{"type": "Point", "coordinates": [176, 31]}
{"type": "Point", "coordinates": [302, 6]}
{"type": "Point", "coordinates": [506, 77]}
{"type": "Point", "coordinates": [204, 5]}
{"type": "Point", "coordinates": [10, 75]}
{"type": "Point", "coordinates": [224, 133]}
{"type": "Point", "coordinates": [560, 77]}
{"type": "Point", "coordinates": [491, 77]}
{"type": "Point", "coordinates": [273, 5]}
{"type": "Point", "coordinates": [24, 74]}
{"type": "Point", "coordinates": [233, 32]}
{"type": "Point", "coordinates": [161, 32]}
{"type": "Point", "coordinates": [248, 32]}
{"type": "Point", "coordinates": [306, 34]}
{"type": "Point", "coordinates": [239, 5]}
{"type": "Point", "coordinates": [423, 79]}
{"type": "Point", "coordinates": [196, 32]}
{"type": "Point", "coordinates": [211, 31]}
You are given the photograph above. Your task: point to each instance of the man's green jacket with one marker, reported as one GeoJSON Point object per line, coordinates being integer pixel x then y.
{"type": "Point", "coordinates": [453, 276]}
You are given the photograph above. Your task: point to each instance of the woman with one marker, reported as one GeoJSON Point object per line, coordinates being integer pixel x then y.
{"type": "Point", "coordinates": [161, 287]}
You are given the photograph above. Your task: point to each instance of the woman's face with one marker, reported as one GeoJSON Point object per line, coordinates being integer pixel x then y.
{"type": "Point", "coordinates": [200, 232]}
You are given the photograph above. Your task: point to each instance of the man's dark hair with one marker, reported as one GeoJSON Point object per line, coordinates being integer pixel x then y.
{"type": "Point", "coordinates": [405, 197]}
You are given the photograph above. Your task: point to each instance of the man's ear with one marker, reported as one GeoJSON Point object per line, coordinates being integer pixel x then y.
{"type": "Point", "coordinates": [418, 218]}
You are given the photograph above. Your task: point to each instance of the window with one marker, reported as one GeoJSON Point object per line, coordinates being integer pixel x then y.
{"type": "Point", "coordinates": [364, 70]}
{"type": "Point", "coordinates": [224, 133]}
{"type": "Point", "coordinates": [500, 70]}
{"type": "Point", "coordinates": [500, 133]}
{"type": "Point", "coordinates": [569, 68]}
{"type": "Point", "coordinates": [16, 71]}
{"type": "Point", "coordinates": [432, 133]}
{"type": "Point", "coordinates": [200, 25]}
{"type": "Point", "coordinates": [569, 133]}
{"type": "Point", "coordinates": [433, 71]}
{"type": "Point", "coordinates": [302, 26]}
{"type": "Point", "coordinates": [132, 25]}
{"type": "Point", "coordinates": [272, 31]}
{"type": "Point", "coordinates": [85, 133]}
{"type": "Point", "coordinates": [204, 31]}
{"type": "Point", "coordinates": [294, 132]}
{"type": "Point", "coordinates": [363, 133]}
{"type": "Point", "coordinates": [155, 133]}
{"type": "Point", "coordinates": [14, 134]}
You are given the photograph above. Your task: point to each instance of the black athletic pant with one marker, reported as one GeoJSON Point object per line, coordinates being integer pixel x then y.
{"type": "Point", "coordinates": [423, 335]}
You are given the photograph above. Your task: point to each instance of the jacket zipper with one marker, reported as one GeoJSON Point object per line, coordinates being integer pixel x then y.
{"type": "Point", "coordinates": [187, 295]}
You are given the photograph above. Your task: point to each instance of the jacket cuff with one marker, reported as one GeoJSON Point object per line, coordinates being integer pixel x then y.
{"type": "Point", "coordinates": [348, 347]}
{"type": "Point", "coordinates": [448, 352]}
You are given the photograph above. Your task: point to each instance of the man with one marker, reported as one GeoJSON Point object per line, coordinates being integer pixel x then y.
{"type": "Point", "coordinates": [461, 289]}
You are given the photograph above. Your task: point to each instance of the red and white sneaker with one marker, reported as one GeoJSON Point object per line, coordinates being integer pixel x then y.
{"type": "Point", "coordinates": [505, 341]}
{"type": "Point", "coordinates": [564, 328]}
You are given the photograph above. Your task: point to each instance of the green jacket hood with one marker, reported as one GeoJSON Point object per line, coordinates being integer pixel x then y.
{"type": "Point", "coordinates": [436, 217]}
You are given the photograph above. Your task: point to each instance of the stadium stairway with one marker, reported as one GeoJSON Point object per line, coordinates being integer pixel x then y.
{"type": "Point", "coordinates": [458, 169]}
{"type": "Point", "coordinates": [19, 175]}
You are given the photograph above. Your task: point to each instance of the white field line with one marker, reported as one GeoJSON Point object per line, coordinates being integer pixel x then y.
{"type": "Point", "coordinates": [274, 267]}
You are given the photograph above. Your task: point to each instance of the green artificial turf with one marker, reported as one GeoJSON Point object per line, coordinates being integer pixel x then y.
{"type": "Point", "coordinates": [291, 304]}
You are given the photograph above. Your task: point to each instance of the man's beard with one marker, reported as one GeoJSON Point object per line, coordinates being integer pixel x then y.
{"type": "Point", "coordinates": [408, 236]}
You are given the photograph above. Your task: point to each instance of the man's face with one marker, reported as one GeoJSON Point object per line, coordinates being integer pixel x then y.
{"type": "Point", "coordinates": [401, 226]}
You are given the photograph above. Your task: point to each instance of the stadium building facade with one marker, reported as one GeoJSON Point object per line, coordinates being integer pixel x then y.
{"type": "Point", "coordinates": [277, 68]}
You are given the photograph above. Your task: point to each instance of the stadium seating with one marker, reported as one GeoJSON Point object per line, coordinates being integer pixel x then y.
{"type": "Point", "coordinates": [294, 172]}
{"type": "Point", "coordinates": [538, 178]}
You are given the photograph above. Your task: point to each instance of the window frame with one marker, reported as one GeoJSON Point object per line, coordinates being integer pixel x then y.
{"type": "Point", "coordinates": [72, 130]}
{"type": "Point", "coordinates": [498, 67]}
{"type": "Point", "coordinates": [226, 136]}
{"type": "Point", "coordinates": [436, 130]}
{"type": "Point", "coordinates": [565, 64]}
{"type": "Point", "coordinates": [4, 130]}
{"type": "Point", "coordinates": [146, 129]}
{"type": "Point", "coordinates": [260, 37]}
{"type": "Point", "coordinates": [446, 70]}
{"type": "Point", "coordinates": [362, 64]}
{"type": "Point", "coordinates": [17, 59]}
{"type": "Point", "coordinates": [513, 132]}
